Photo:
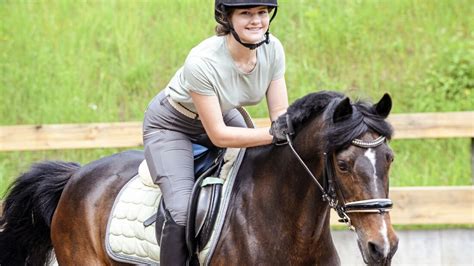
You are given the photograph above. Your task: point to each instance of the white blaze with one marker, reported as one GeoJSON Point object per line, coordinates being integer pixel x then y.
{"type": "Point", "coordinates": [370, 154]}
{"type": "Point", "coordinates": [384, 233]}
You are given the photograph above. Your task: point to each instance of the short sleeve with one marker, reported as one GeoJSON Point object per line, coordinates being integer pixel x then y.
{"type": "Point", "coordinates": [280, 65]}
{"type": "Point", "coordinates": [196, 77]}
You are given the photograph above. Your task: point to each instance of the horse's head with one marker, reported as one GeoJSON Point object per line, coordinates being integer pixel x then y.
{"type": "Point", "coordinates": [361, 173]}
{"type": "Point", "coordinates": [356, 160]}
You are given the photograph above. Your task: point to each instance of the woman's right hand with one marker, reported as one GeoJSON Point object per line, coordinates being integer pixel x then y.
{"type": "Point", "coordinates": [280, 129]}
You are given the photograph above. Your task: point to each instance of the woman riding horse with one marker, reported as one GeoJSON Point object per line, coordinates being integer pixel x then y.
{"type": "Point", "coordinates": [336, 156]}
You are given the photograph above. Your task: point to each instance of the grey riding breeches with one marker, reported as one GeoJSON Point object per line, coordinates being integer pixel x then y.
{"type": "Point", "coordinates": [168, 136]}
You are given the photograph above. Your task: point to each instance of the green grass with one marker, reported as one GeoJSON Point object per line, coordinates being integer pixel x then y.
{"type": "Point", "coordinates": [103, 61]}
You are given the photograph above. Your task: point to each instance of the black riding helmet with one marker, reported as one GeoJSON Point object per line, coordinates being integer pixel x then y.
{"type": "Point", "coordinates": [220, 15]}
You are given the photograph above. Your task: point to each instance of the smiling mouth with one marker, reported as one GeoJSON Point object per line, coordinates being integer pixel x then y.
{"type": "Point", "coordinates": [254, 29]}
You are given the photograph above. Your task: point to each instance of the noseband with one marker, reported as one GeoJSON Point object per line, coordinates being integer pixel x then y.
{"type": "Point", "coordinates": [378, 205]}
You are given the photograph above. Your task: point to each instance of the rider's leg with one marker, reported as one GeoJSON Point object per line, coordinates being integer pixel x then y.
{"type": "Point", "coordinates": [234, 118]}
{"type": "Point", "coordinates": [170, 160]}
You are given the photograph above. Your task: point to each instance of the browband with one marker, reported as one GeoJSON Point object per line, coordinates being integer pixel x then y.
{"type": "Point", "coordinates": [369, 144]}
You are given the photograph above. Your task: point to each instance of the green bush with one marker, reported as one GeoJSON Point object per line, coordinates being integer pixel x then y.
{"type": "Point", "coordinates": [448, 85]}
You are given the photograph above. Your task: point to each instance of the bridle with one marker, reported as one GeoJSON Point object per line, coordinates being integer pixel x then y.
{"type": "Point", "coordinates": [377, 205]}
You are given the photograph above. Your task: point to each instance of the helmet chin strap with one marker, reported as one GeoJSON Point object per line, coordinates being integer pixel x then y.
{"type": "Point", "coordinates": [251, 46]}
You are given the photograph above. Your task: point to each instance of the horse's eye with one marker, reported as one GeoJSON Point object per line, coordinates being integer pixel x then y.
{"type": "Point", "coordinates": [389, 157]}
{"type": "Point", "coordinates": [343, 166]}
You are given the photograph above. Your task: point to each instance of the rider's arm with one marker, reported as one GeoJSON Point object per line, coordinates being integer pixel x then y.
{"type": "Point", "coordinates": [277, 98]}
{"type": "Point", "coordinates": [221, 135]}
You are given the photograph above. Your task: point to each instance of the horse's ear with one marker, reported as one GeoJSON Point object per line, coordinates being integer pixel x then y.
{"type": "Point", "coordinates": [384, 106]}
{"type": "Point", "coordinates": [343, 111]}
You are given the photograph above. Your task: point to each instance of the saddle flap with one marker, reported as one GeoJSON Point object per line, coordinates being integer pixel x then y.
{"type": "Point", "coordinates": [207, 210]}
{"type": "Point", "coordinates": [207, 201]}
{"type": "Point", "coordinates": [191, 230]}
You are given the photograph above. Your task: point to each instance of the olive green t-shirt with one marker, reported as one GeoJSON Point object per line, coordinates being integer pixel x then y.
{"type": "Point", "coordinates": [210, 70]}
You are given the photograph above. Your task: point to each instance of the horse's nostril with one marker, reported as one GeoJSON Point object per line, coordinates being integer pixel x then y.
{"type": "Point", "coordinates": [376, 251]}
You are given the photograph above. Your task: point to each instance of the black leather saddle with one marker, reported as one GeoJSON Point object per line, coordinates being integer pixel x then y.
{"type": "Point", "coordinates": [205, 198]}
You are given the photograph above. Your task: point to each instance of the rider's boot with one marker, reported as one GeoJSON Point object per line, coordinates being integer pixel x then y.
{"type": "Point", "coordinates": [173, 249]}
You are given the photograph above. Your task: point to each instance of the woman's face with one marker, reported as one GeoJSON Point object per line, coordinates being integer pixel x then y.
{"type": "Point", "coordinates": [251, 23]}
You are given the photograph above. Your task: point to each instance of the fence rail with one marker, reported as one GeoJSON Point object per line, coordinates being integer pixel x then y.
{"type": "Point", "coordinates": [128, 134]}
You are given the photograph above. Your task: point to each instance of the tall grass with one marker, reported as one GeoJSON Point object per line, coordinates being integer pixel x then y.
{"type": "Point", "coordinates": [102, 61]}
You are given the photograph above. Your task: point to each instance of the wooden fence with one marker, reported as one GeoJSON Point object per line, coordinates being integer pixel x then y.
{"type": "Point", "coordinates": [129, 134]}
{"type": "Point", "coordinates": [413, 205]}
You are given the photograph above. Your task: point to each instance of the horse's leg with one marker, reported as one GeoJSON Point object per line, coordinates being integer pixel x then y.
{"type": "Point", "coordinates": [79, 224]}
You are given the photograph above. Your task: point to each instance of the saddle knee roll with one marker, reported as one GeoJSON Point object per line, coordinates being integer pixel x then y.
{"type": "Point", "coordinates": [204, 207]}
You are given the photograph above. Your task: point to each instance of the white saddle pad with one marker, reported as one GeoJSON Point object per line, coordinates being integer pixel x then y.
{"type": "Point", "coordinates": [127, 239]}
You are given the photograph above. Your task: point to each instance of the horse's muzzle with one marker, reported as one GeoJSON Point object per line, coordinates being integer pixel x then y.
{"type": "Point", "coordinates": [376, 238]}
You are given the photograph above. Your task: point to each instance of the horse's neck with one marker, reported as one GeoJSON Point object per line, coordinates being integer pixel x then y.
{"type": "Point", "coordinates": [276, 213]}
{"type": "Point", "coordinates": [276, 193]}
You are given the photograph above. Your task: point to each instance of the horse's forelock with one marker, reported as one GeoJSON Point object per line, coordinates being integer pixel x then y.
{"type": "Point", "coordinates": [364, 119]}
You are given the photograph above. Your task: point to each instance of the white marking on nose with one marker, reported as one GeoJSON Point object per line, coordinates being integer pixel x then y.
{"type": "Point", "coordinates": [370, 154]}
{"type": "Point", "coordinates": [384, 233]}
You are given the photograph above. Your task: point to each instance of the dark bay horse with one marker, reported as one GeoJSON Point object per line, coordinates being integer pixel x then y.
{"type": "Point", "coordinates": [279, 208]}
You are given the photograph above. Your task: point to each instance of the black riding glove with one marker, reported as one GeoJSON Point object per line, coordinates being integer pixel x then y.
{"type": "Point", "coordinates": [280, 128]}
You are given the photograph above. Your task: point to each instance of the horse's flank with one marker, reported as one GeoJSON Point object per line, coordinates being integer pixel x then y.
{"type": "Point", "coordinates": [80, 223]}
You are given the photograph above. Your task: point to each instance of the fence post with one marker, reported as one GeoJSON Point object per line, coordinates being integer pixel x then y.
{"type": "Point", "coordinates": [472, 161]}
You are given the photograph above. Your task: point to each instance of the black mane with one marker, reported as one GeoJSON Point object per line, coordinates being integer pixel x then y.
{"type": "Point", "coordinates": [339, 134]}
{"type": "Point", "coordinates": [311, 105]}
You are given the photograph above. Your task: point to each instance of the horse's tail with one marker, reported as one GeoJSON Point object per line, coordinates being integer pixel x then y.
{"type": "Point", "coordinates": [28, 210]}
